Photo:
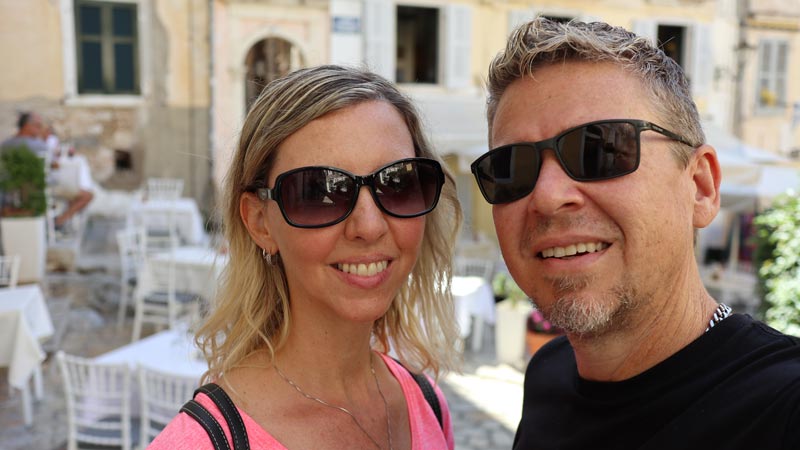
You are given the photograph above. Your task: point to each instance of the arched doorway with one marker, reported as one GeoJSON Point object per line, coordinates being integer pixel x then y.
{"type": "Point", "coordinates": [267, 60]}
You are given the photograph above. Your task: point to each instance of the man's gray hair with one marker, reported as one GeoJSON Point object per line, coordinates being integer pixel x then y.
{"type": "Point", "coordinates": [542, 42]}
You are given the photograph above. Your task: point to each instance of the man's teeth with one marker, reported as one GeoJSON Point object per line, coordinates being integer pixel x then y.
{"type": "Point", "coordinates": [574, 249]}
{"type": "Point", "coordinates": [363, 270]}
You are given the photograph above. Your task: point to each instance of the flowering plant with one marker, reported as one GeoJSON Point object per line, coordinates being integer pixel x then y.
{"type": "Point", "coordinates": [537, 323]}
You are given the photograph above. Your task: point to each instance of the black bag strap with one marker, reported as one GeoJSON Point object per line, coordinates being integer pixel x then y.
{"type": "Point", "coordinates": [427, 391]}
{"type": "Point", "coordinates": [199, 413]}
{"type": "Point", "coordinates": [231, 414]}
{"type": "Point", "coordinates": [212, 427]}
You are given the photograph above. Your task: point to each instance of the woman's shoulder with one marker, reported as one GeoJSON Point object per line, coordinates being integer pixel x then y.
{"type": "Point", "coordinates": [184, 432]}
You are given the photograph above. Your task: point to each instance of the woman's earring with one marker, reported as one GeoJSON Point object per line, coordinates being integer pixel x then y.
{"type": "Point", "coordinates": [267, 257]}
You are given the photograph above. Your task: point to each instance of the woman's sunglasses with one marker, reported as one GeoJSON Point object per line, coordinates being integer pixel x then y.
{"type": "Point", "coordinates": [318, 196]}
{"type": "Point", "coordinates": [593, 151]}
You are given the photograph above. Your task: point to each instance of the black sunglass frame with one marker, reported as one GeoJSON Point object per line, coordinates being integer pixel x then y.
{"type": "Point", "coordinates": [554, 143]}
{"type": "Point", "coordinates": [274, 193]}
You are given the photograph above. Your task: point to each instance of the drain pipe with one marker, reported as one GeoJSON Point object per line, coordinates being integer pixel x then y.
{"type": "Point", "coordinates": [211, 186]}
{"type": "Point", "coordinates": [742, 9]}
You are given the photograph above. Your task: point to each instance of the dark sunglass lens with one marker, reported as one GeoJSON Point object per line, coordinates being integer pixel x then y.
{"type": "Point", "coordinates": [316, 196]}
{"type": "Point", "coordinates": [409, 188]}
{"type": "Point", "coordinates": [507, 173]}
{"type": "Point", "coordinates": [599, 151]}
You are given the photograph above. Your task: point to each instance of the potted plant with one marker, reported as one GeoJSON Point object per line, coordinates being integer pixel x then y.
{"type": "Point", "coordinates": [539, 331]}
{"type": "Point", "coordinates": [512, 313]}
{"type": "Point", "coordinates": [23, 203]}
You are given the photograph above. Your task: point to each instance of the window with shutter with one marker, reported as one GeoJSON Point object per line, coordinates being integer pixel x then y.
{"type": "Point", "coordinates": [417, 49]}
{"type": "Point", "coordinates": [106, 37]}
{"type": "Point", "coordinates": [772, 72]}
{"type": "Point", "coordinates": [415, 44]}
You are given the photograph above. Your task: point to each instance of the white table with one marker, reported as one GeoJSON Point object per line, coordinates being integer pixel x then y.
{"type": "Point", "coordinates": [171, 351]}
{"type": "Point", "coordinates": [474, 302]}
{"type": "Point", "coordinates": [186, 216]}
{"type": "Point", "coordinates": [24, 322]}
{"type": "Point", "coordinates": [197, 271]}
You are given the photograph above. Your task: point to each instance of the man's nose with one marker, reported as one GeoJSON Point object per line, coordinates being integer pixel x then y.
{"type": "Point", "coordinates": [554, 189]}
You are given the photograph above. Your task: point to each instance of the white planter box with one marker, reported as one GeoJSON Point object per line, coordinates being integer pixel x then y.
{"type": "Point", "coordinates": [510, 329]}
{"type": "Point", "coordinates": [26, 237]}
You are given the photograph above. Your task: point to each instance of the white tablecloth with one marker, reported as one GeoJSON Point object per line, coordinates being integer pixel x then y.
{"type": "Point", "coordinates": [171, 351]}
{"type": "Point", "coordinates": [197, 270]}
{"type": "Point", "coordinates": [187, 217]}
{"type": "Point", "coordinates": [73, 173]}
{"type": "Point", "coordinates": [474, 301]}
{"type": "Point", "coordinates": [24, 322]}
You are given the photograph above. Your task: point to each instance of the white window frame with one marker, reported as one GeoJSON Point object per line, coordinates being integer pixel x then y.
{"type": "Point", "coordinates": [69, 51]}
{"type": "Point", "coordinates": [772, 75]}
{"type": "Point", "coordinates": [455, 42]}
{"type": "Point", "coordinates": [698, 61]}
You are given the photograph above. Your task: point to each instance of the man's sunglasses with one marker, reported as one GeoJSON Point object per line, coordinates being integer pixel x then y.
{"type": "Point", "coordinates": [319, 196]}
{"type": "Point", "coordinates": [593, 151]}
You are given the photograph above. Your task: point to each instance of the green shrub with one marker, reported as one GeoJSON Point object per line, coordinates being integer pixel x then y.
{"type": "Point", "coordinates": [777, 259]}
{"type": "Point", "coordinates": [22, 182]}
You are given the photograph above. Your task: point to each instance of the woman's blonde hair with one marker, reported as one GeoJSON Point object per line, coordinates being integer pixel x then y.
{"type": "Point", "coordinates": [544, 42]}
{"type": "Point", "coordinates": [252, 310]}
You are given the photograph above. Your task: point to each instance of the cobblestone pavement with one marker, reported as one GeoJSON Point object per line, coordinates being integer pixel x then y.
{"type": "Point", "coordinates": [485, 398]}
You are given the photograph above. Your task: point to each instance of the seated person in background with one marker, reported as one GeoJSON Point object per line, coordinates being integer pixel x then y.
{"type": "Point", "coordinates": [71, 179]}
{"type": "Point", "coordinates": [73, 185]}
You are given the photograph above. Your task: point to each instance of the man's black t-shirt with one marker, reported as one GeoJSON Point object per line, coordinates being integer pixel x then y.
{"type": "Point", "coordinates": [735, 387]}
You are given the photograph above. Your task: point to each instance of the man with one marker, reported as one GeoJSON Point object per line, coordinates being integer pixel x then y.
{"type": "Point", "coordinates": [30, 129]}
{"type": "Point", "coordinates": [596, 206]}
{"type": "Point", "coordinates": [32, 133]}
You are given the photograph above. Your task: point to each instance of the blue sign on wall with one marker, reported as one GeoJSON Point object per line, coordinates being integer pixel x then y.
{"type": "Point", "coordinates": [344, 24]}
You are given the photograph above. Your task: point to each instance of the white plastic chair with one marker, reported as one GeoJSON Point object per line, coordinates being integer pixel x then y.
{"type": "Point", "coordinates": [9, 270]}
{"type": "Point", "coordinates": [161, 304]}
{"type": "Point", "coordinates": [160, 230]}
{"type": "Point", "coordinates": [98, 402]}
{"type": "Point", "coordinates": [474, 267]}
{"type": "Point", "coordinates": [131, 244]}
{"type": "Point", "coordinates": [162, 395]}
{"type": "Point", "coordinates": [164, 188]}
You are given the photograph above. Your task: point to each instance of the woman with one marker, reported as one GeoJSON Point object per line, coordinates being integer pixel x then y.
{"type": "Point", "coordinates": [339, 252]}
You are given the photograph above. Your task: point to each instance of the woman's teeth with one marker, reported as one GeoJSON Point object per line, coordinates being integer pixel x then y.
{"type": "Point", "coordinates": [363, 270]}
{"type": "Point", "coordinates": [574, 249]}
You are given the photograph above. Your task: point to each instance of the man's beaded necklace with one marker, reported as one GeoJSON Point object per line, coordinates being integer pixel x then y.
{"type": "Point", "coordinates": [720, 314]}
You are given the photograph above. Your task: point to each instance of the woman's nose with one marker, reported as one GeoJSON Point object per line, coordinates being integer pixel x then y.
{"type": "Point", "coordinates": [367, 221]}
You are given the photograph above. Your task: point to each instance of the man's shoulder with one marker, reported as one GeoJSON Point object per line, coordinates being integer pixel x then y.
{"type": "Point", "coordinates": [23, 141]}
{"type": "Point", "coordinates": [750, 333]}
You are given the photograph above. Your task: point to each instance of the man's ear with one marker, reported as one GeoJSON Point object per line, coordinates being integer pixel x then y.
{"type": "Point", "coordinates": [254, 216]}
{"type": "Point", "coordinates": [706, 175]}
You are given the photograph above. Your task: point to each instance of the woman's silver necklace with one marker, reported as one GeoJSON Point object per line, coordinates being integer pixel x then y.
{"type": "Point", "coordinates": [344, 410]}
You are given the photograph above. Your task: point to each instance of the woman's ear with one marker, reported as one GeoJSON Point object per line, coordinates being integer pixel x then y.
{"type": "Point", "coordinates": [254, 216]}
{"type": "Point", "coordinates": [707, 175]}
